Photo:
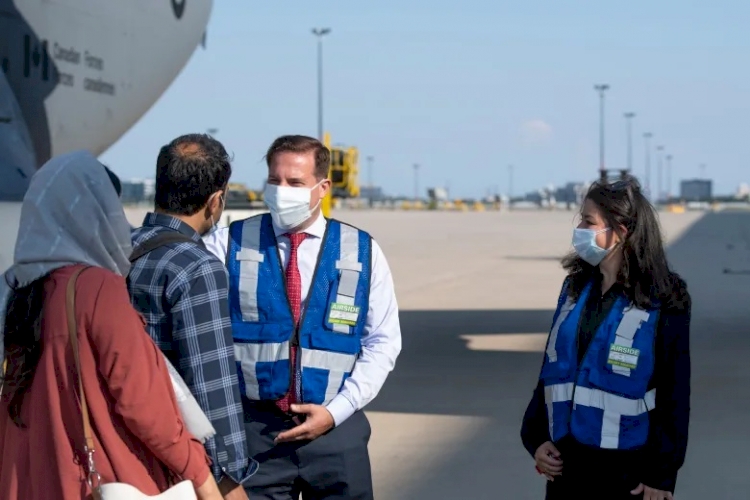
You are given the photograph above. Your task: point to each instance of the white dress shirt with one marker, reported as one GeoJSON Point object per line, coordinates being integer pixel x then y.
{"type": "Point", "coordinates": [381, 339]}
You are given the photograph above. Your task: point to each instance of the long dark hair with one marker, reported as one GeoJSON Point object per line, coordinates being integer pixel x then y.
{"type": "Point", "coordinates": [645, 275]}
{"type": "Point", "coordinates": [22, 344]}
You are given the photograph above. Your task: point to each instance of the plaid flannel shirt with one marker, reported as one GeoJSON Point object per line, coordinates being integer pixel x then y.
{"type": "Point", "coordinates": [182, 291]}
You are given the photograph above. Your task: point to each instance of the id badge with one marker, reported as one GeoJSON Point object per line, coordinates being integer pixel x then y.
{"type": "Point", "coordinates": [342, 314]}
{"type": "Point", "coordinates": [626, 357]}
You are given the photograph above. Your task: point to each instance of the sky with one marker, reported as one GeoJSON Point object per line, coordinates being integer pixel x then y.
{"type": "Point", "coordinates": [465, 89]}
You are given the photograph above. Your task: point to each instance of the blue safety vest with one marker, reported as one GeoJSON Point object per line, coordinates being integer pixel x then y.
{"type": "Point", "coordinates": [605, 401]}
{"type": "Point", "coordinates": [332, 320]}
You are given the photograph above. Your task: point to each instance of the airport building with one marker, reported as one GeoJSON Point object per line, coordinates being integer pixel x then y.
{"type": "Point", "coordinates": [572, 193]}
{"type": "Point", "coordinates": [696, 189]}
{"type": "Point", "coordinates": [371, 192]}
{"type": "Point", "coordinates": [138, 190]}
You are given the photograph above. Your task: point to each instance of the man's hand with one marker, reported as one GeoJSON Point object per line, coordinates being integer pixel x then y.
{"type": "Point", "coordinates": [318, 421]}
{"type": "Point", "coordinates": [651, 493]}
{"type": "Point", "coordinates": [231, 490]}
{"type": "Point", "coordinates": [548, 461]}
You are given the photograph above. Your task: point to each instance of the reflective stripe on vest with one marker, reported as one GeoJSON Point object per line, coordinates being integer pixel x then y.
{"type": "Point", "coordinates": [613, 406]}
{"type": "Point", "coordinates": [564, 311]}
{"type": "Point", "coordinates": [558, 393]}
{"type": "Point", "coordinates": [631, 322]}
{"type": "Point", "coordinates": [250, 259]}
{"type": "Point", "coordinates": [349, 267]}
{"type": "Point", "coordinates": [337, 365]}
{"type": "Point", "coordinates": [249, 355]}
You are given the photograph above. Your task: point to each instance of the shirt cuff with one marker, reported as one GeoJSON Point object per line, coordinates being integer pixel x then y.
{"type": "Point", "coordinates": [663, 479]}
{"type": "Point", "coordinates": [242, 476]}
{"type": "Point", "coordinates": [340, 409]}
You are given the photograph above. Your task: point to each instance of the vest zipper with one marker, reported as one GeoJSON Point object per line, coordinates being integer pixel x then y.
{"type": "Point", "coordinates": [294, 340]}
{"type": "Point", "coordinates": [585, 354]}
{"type": "Point", "coordinates": [588, 348]}
{"type": "Point", "coordinates": [578, 369]}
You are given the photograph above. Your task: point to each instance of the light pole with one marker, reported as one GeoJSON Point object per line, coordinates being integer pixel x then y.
{"type": "Point", "coordinates": [659, 151]}
{"type": "Point", "coordinates": [669, 177]}
{"type": "Point", "coordinates": [320, 33]}
{"type": "Point", "coordinates": [510, 185]}
{"type": "Point", "coordinates": [647, 139]}
{"type": "Point", "coordinates": [601, 89]}
{"type": "Point", "coordinates": [629, 117]}
{"type": "Point", "coordinates": [416, 181]}
{"type": "Point", "coordinates": [370, 160]}
{"type": "Point", "coordinates": [703, 170]}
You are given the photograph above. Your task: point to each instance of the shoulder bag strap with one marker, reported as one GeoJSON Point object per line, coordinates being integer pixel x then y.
{"type": "Point", "coordinates": [93, 478]}
{"type": "Point", "coordinates": [160, 240]}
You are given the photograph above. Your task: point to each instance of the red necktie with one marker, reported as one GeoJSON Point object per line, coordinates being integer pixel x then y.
{"type": "Point", "coordinates": [294, 291]}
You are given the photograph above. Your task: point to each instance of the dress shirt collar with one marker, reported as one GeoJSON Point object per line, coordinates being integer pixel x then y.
{"type": "Point", "coordinates": [317, 229]}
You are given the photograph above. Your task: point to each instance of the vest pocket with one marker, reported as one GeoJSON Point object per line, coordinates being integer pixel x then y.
{"type": "Point", "coordinates": [631, 383]}
{"type": "Point", "coordinates": [559, 370]}
{"type": "Point", "coordinates": [324, 373]}
{"type": "Point", "coordinates": [321, 338]}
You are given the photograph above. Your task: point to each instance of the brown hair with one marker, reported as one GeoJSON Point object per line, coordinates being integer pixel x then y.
{"type": "Point", "coordinates": [302, 144]}
{"type": "Point", "coordinates": [645, 273]}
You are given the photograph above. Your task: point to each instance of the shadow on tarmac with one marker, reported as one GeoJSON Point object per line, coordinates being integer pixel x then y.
{"type": "Point", "coordinates": [437, 374]}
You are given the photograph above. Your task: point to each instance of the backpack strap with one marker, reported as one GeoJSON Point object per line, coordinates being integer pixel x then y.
{"type": "Point", "coordinates": [158, 241]}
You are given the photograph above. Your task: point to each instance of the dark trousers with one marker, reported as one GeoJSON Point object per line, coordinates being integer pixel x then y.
{"type": "Point", "coordinates": [565, 488]}
{"type": "Point", "coordinates": [336, 466]}
{"type": "Point", "coordinates": [594, 474]}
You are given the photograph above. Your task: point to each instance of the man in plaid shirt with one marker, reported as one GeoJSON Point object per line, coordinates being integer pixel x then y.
{"type": "Point", "coordinates": [182, 291]}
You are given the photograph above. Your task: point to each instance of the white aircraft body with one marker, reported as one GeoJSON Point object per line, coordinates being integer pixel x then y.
{"type": "Point", "coordinates": [77, 74]}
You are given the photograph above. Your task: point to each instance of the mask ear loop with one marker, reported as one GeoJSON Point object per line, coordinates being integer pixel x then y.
{"type": "Point", "coordinates": [320, 201]}
{"type": "Point", "coordinates": [223, 206]}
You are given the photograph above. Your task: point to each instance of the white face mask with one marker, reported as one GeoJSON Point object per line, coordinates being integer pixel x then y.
{"type": "Point", "coordinates": [584, 243]}
{"type": "Point", "coordinates": [289, 206]}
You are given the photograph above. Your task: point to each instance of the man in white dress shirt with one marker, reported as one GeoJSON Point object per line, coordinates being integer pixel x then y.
{"type": "Point", "coordinates": [316, 331]}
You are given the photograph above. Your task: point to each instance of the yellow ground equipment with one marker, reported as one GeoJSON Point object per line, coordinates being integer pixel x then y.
{"type": "Point", "coordinates": [343, 174]}
{"type": "Point", "coordinates": [344, 171]}
{"type": "Point", "coordinates": [325, 204]}
{"type": "Point", "coordinates": [240, 197]}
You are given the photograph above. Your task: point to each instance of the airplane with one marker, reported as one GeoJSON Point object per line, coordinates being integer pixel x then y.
{"type": "Point", "coordinates": [77, 74]}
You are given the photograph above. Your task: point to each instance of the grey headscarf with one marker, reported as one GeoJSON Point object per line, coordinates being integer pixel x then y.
{"type": "Point", "coordinates": [71, 214]}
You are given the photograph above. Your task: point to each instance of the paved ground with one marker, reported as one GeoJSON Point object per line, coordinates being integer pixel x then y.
{"type": "Point", "coordinates": [476, 292]}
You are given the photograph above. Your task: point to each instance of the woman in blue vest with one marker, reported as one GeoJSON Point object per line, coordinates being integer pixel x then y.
{"type": "Point", "coordinates": [609, 416]}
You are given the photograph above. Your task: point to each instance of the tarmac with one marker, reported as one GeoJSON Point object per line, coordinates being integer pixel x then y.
{"type": "Point", "coordinates": [476, 292]}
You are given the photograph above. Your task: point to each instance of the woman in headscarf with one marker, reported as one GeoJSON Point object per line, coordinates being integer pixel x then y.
{"type": "Point", "coordinates": [72, 222]}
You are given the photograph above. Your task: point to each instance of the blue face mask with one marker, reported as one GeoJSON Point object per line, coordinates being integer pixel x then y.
{"type": "Point", "coordinates": [584, 243]}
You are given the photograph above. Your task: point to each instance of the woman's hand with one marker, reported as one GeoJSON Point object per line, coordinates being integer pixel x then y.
{"type": "Point", "coordinates": [548, 462]}
{"type": "Point", "coordinates": [651, 493]}
{"type": "Point", "coordinates": [209, 490]}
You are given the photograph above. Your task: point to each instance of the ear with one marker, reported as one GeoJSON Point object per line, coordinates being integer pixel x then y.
{"type": "Point", "coordinates": [214, 204]}
{"type": "Point", "coordinates": [623, 231]}
{"type": "Point", "coordinates": [324, 187]}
